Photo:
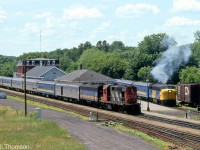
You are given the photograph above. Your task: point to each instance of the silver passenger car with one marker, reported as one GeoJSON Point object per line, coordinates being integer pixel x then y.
{"type": "Point", "coordinates": [69, 91]}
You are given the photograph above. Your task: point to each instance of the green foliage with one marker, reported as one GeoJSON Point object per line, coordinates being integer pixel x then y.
{"type": "Point", "coordinates": [103, 45]}
{"type": "Point", "coordinates": [117, 45]}
{"type": "Point", "coordinates": [33, 115]}
{"type": "Point", "coordinates": [190, 75]}
{"type": "Point", "coordinates": [145, 55]}
{"type": "Point", "coordinates": [110, 64]}
{"type": "Point", "coordinates": [115, 59]}
{"type": "Point", "coordinates": [6, 69]}
{"type": "Point", "coordinates": [144, 74]}
{"type": "Point", "coordinates": [7, 64]}
{"type": "Point", "coordinates": [195, 54]}
{"type": "Point", "coordinates": [92, 59]}
{"type": "Point", "coordinates": [197, 36]}
{"type": "Point", "coordinates": [114, 65]}
{"type": "Point", "coordinates": [152, 44]}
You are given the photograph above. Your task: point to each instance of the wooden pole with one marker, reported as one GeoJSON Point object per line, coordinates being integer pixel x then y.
{"type": "Point", "coordinates": [25, 88]}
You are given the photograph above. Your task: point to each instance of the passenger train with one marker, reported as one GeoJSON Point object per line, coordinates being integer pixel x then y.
{"type": "Point", "coordinates": [107, 96]}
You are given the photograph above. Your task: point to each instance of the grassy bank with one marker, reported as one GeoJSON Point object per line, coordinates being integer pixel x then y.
{"type": "Point", "coordinates": [29, 133]}
{"type": "Point", "coordinates": [158, 143]}
{"type": "Point", "coordinates": [36, 104]}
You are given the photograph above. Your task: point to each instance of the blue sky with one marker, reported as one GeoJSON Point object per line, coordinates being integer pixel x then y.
{"type": "Point", "coordinates": [67, 23]}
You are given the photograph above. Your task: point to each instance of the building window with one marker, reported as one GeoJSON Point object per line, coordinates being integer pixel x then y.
{"type": "Point", "coordinates": [33, 62]}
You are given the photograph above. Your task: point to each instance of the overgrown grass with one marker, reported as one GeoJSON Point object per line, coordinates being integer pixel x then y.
{"type": "Point", "coordinates": [36, 104]}
{"type": "Point", "coordinates": [15, 129]}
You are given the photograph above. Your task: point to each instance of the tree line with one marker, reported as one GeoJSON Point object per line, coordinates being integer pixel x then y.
{"type": "Point", "coordinates": [117, 60]}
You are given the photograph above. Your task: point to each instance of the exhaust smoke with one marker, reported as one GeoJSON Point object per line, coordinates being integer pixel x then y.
{"type": "Point", "coordinates": [170, 60]}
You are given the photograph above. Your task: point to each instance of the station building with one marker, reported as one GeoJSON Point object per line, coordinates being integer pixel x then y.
{"type": "Point", "coordinates": [31, 63]}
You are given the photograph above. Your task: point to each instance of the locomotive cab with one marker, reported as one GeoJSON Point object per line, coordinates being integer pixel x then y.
{"type": "Point", "coordinates": [168, 97]}
{"type": "Point", "coordinates": [163, 94]}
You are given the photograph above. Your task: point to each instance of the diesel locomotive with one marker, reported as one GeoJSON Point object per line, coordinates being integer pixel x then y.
{"type": "Point", "coordinates": [158, 93]}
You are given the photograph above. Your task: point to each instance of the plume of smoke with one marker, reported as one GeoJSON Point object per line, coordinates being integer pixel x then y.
{"type": "Point", "coordinates": [170, 60]}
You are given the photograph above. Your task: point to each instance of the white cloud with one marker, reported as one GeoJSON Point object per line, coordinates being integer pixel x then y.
{"type": "Point", "coordinates": [186, 5]}
{"type": "Point", "coordinates": [181, 21]}
{"type": "Point", "coordinates": [51, 23]}
{"type": "Point", "coordinates": [81, 13]}
{"type": "Point", "coordinates": [102, 28]}
{"type": "Point", "coordinates": [30, 28]}
{"type": "Point", "coordinates": [18, 13]}
{"type": "Point", "coordinates": [3, 15]}
{"type": "Point", "coordinates": [43, 15]}
{"type": "Point", "coordinates": [136, 10]}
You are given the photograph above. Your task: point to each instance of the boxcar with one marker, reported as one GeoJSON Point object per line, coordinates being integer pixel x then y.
{"type": "Point", "coordinates": [46, 88]}
{"type": "Point", "coordinates": [188, 93]}
{"type": "Point", "coordinates": [68, 91]}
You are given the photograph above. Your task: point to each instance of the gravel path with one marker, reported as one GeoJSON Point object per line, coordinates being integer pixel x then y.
{"type": "Point", "coordinates": [95, 137]}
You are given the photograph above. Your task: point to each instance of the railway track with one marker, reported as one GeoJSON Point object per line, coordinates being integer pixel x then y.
{"type": "Point", "coordinates": [170, 121]}
{"type": "Point", "coordinates": [177, 137]}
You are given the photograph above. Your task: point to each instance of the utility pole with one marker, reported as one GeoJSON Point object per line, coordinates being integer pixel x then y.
{"type": "Point", "coordinates": [25, 87]}
{"type": "Point", "coordinates": [148, 109]}
{"type": "Point", "coordinates": [40, 40]}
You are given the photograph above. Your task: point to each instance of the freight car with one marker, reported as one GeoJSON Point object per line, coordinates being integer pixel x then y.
{"type": "Point", "coordinates": [188, 93]}
{"type": "Point", "coordinates": [98, 95]}
{"type": "Point", "coordinates": [158, 93]}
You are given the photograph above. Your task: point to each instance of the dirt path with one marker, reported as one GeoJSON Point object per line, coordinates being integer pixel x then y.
{"type": "Point", "coordinates": [93, 136]}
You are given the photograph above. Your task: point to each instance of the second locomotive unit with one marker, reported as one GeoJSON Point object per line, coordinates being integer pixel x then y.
{"type": "Point", "coordinates": [158, 93]}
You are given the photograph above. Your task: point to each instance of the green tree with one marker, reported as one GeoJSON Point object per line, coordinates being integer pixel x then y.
{"type": "Point", "coordinates": [197, 36]}
{"type": "Point", "coordinates": [114, 65]}
{"type": "Point", "coordinates": [144, 74]}
{"type": "Point", "coordinates": [195, 59]}
{"type": "Point", "coordinates": [103, 45]}
{"type": "Point", "coordinates": [117, 45]}
{"type": "Point", "coordinates": [190, 75]}
{"type": "Point", "coordinates": [92, 59]}
{"type": "Point", "coordinates": [65, 63]}
{"type": "Point", "coordinates": [155, 43]}
{"type": "Point", "coordinates": [7, 69]}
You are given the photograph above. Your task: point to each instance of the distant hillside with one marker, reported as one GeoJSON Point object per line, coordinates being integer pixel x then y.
{"type": "Point", "coordinates": [5, 59]}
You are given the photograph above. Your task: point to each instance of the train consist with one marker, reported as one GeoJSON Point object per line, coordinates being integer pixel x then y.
{"type": "Point", "coordinates": [188, 93]}
{"type": "Point", "coordinates": [112, 97]}
{"type": "Point", "coordinates": [158, 93]}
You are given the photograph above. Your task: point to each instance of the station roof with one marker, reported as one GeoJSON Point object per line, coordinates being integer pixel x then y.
{"type": "Point", "coordinates": [38, 71]}
{"type": "Point", "coordinates": [84, 76]}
